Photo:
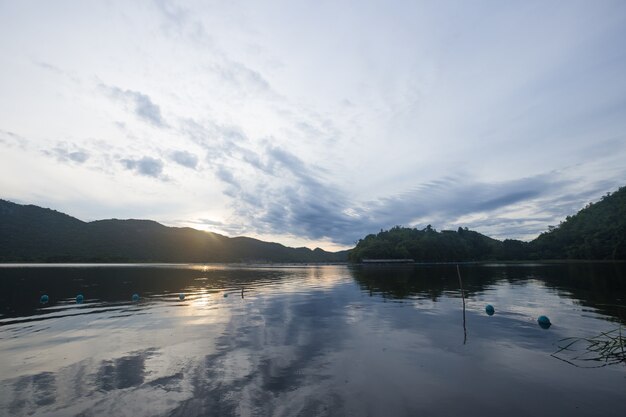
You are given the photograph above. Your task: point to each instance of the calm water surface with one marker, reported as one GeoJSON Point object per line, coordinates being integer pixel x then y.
{"type": "Point", "coordinates": [307, 341]}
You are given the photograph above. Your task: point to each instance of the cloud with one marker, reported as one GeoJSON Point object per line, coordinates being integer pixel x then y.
{"type": "Point", "coordinates": [144, 107]}
{"type": "Point", "coordinates": [232, 229]}
{"type": "Point", "coordinates": [63, 153]}
{"type": "Point", "coordinates": [518, 208]}
{"type": "Point", "coordinates": [223, 143]}
{"type": "Point", "coordinates": [184, 158]}
{"type": "Point", "coordinates": [285, 196]}
{"type": "Point", "coordinates": [226, 176]}
{"type": "Point", "coordinates": [49, 67]}
{"type": "Point", "coordinates": [12, 139]}
{"type": "Point", "coordinates": [53, 69]}
{"type": "Point", "coordinates": [179, 22]}
{"type": "Point", "coordinates": [289, 196]}
{"type": "Point", "coordinates": [239, 75]}
{"type": "Point", "coordinates": [147, 166]}
{"type": "Point", "coordinates": [173, 13]}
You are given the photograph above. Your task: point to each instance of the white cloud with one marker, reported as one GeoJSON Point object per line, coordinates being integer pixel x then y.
{"type": "Point", "coordinates": [143, 106]}
{"type": "Point", "coordinates": [184, 158]}
{"type": "Point", "coordinates": [146, 165]}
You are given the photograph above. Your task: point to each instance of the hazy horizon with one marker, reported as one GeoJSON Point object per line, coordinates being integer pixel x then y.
{"type": "Point", "coordinates": [314, 124]}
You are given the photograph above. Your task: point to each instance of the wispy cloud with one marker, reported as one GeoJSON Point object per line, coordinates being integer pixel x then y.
{"type": "Point", "coordinates": [146, 165]}
{"type": "Point", "coordinates": [309, 205]}
{"type": "Point", "coordinates": [12, 139]}
{"type": "Point", "coordinates": [241, 76]}
{"type": "Point", "coordinates": [67, 154]}
{"type": "Point", "coordinates": [49, 67]}
{"type": "Point", "coordinates": [143, 106]}
{"type": "Point", "coordinates": [184, 158]}
{"type": "Point", "coordinates": [273, 190]}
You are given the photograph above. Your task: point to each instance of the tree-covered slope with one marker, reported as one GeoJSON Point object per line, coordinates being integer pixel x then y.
{"type": "Point", "coordinates": [596, 232]}
{"type": "Point", "coordinates": [428, 245]}
{"type": "Point", "coordinates": [35, 234]}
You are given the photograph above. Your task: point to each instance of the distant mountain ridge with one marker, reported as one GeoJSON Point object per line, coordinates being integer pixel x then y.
{"type": "Point", "coordinates": [33, 234]}
{"type": "Point", "coordinates": [30, 233]}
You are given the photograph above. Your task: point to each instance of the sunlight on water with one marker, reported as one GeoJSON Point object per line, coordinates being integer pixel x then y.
{"type": "Point", "coordinates": [293, 340]}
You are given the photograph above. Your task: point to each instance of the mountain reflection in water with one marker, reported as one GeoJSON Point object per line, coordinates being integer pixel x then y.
{"type": "Point", "coordinates": [305, 340]}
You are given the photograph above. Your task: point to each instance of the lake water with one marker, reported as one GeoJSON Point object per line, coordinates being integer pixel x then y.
{"type": "Point", "coordinates": [308, 340]}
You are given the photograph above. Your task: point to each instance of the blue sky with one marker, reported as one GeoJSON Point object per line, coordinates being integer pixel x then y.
{"type": "Point", "coordinates": [314, 123]}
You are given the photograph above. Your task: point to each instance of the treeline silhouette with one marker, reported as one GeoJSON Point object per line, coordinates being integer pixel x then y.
{"type": "Point", "coordinates": [597, 232]}
{"type": "Point", "coordinates": [33, 234]}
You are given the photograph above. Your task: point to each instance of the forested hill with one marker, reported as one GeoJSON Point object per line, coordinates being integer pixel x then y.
{"type": "Point", "coordinates": [429, 245]}
{"type": "Point", "coordinates": [597, 232]}
{"type": "Point", "coordinates": [33, 234]}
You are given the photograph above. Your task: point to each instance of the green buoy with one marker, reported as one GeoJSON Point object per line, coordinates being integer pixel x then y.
{"type": "Point", "coordinates": [490, 310]}
{"type": "Point", "coordinates": [544, 322]}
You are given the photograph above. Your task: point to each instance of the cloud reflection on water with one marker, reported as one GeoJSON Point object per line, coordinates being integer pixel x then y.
{"type": "Point", "coordinates": [309, 341]}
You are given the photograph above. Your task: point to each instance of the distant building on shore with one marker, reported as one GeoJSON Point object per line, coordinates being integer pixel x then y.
{"type": "Point", "coordinates": [388, 261]}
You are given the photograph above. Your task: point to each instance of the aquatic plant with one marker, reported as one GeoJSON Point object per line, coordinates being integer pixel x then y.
{"type": "Point", "coordinates": [607, 348]}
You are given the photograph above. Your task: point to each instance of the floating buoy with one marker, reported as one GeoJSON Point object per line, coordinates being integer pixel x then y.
{"type": "Point", "coordinates": [79, 299]}
{"type": "Point", "coordinates": [44, 299]}
{"type": "Point", "coordinates": [544, 322]}
{"type": "Point", "coordinates": [490, 310]}
{"type": "Point", "coordinates": [135, 297]}
{"type": "Point", "coordinates": [181, 296]}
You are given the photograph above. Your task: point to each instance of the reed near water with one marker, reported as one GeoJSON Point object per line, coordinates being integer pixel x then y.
{"type": "Point", "coordinates": [607, 348]}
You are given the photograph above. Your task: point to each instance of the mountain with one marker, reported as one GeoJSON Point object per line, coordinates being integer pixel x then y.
{"type": "Point", "coordinates": [34, 234]}
{"type": "Point", "coordinates": [597, 232]}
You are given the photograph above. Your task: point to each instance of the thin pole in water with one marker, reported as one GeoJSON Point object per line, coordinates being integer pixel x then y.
{"type": "Point", "coordinates": [458, 272]}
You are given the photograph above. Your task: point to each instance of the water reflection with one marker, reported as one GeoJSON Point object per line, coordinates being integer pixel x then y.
{"type": "Point", "coordinates": [32, 392]}
{"type": "Point", "coordinates": [601, 286]}
{"type": "Point", "coordinates": [127, 371]}
{"type": "Point", "coordinates": [306, 341]}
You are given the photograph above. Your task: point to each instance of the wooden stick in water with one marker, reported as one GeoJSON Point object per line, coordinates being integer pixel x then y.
{"type": "Point", "coordinates": [463, 298]}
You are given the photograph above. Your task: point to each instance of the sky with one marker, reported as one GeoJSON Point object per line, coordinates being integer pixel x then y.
{"type": "Point", "coordinates": [314, 123]}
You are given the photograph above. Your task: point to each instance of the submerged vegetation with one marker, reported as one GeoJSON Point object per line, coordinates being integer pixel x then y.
{"type": "Point", "coordinates": [597, 232]}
